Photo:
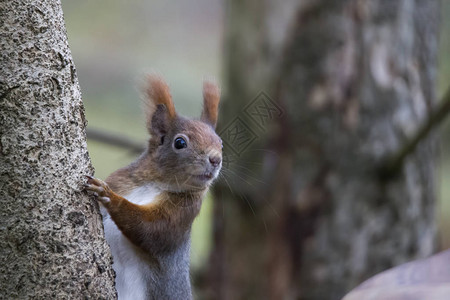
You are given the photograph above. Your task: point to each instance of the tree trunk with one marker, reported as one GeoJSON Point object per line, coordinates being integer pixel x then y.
{"type": "Point", "coordinates": [347, 84]}
{"type": "Point", "coordinates": [51, 236]}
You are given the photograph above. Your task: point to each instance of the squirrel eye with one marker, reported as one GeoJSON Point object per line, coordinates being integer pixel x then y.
{"type": "Point", "coordinates": [162, 139]}
{"type": "Point", "coordinates": [179, 143]}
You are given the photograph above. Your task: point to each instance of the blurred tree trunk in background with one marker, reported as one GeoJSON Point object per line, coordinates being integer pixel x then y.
{"type": "Point", "coordinates": [51, 236]}
{"type": "Point", "coordinates": [346, 84]}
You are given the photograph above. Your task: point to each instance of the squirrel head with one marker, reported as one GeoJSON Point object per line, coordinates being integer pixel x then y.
{"type": "Point", "coordinates": [185, 154]}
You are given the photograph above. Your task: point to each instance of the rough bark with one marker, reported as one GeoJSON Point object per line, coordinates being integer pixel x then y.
{"type": "Point", "coordinates": [355, 79]}
{"type": "Point", "coordinates": [51, 234]}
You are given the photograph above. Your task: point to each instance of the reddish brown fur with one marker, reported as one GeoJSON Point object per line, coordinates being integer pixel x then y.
{"type": "Point", "coordinates": [171, 216]}
{"type": "Point", "coordinates": [178, 178]}
{"type": "Point", "coordinates": [121, 181]}
{"type": "Point", "coordinates": [168, 218]}
{"type": "Point", "coordinates": [211, 98]}
{"type": "Point", "coordinates": [158, 92]}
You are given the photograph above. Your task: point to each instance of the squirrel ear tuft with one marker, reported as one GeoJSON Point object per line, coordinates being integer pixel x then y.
{"type": "Point", "coordinates": [211, 99]}
{"type": "Point", "coordinates": [159, 103]}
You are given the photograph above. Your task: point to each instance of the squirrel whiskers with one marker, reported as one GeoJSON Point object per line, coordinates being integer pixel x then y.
{"type": "Point", "coordinates": [148, 206]}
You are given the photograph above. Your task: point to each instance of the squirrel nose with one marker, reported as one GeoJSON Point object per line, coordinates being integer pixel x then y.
{"type": "Point", "coordinates": [215, 160]}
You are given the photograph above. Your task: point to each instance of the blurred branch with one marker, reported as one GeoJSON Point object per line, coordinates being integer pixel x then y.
{"type": "Point", "coordinates": [394, 164]}
{"type": "Point", "coordinates": [114, 140]}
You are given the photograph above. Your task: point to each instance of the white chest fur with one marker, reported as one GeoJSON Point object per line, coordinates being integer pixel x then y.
{"type": "Point", "coordinates": [131, 270]}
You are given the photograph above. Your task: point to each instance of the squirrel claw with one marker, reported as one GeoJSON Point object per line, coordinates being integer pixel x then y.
{"type": "Point", "coordinates": [99, 188]}
{"type": "Point", "coordinates": [104, 200]}
{"type": "Point", "coordinates": [95, 188]}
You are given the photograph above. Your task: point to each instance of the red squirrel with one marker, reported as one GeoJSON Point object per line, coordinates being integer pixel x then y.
{"type": "Point", "coordinates": [148, 206]}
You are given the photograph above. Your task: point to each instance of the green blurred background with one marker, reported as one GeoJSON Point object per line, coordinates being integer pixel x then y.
{"type": "Point", "coordinates": [115, 42]}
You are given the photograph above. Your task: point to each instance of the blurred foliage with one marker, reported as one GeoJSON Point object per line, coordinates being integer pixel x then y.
{"type": "Point", "coordinates": [115, 42]}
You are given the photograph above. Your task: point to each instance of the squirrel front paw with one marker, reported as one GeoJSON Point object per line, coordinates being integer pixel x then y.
{"type": "Point", "coordinates": [99, 188]}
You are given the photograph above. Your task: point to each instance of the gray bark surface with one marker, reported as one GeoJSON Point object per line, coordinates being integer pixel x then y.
{"type": "Point", "coordinates": [51, 234]}
{"type": "Point", "coordinates": [355, 80]}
